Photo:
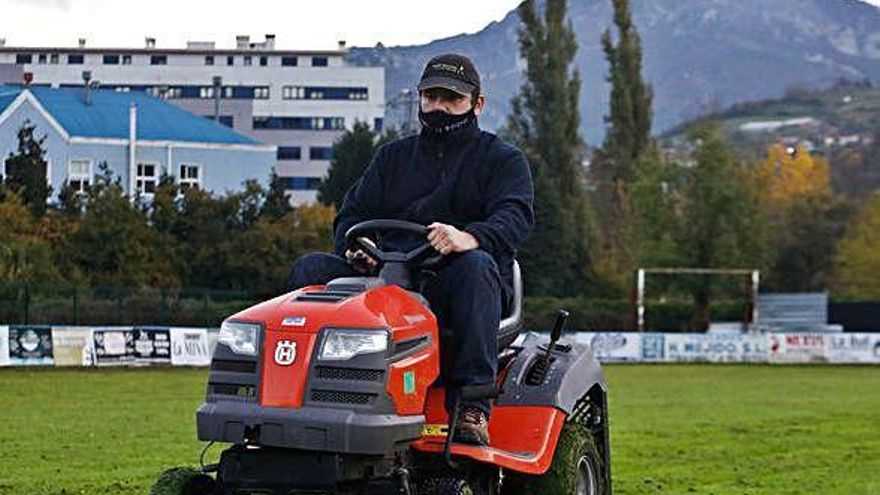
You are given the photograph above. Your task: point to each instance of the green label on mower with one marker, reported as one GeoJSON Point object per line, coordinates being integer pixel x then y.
{"type": "Point", "coordinates": [409, 382]}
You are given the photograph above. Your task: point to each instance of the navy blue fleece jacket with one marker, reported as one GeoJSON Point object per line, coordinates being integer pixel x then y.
{"type": "Point", "coordinates": [470, 179]}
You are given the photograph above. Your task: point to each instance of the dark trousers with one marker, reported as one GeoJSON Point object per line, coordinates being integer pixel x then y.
{"type": "Point", "coordinates": [466, 296]}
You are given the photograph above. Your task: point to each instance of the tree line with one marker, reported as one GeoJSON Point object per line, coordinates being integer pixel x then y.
{"type": "Point", "coordinates": [601, 213]}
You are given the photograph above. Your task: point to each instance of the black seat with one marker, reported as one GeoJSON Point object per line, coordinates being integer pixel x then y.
{"type": "Point", "coordinates": [511, 322]}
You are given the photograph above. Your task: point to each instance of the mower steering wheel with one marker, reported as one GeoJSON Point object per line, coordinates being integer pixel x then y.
{"type": "Point", "coordinates": [420, 255]}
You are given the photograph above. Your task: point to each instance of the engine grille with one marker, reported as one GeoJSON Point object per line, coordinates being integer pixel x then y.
{"type": "Point", "coordinates": [339, 397]}
{"type": "Point", "coordinates": [245, 392]}
{"type": "Point", "coordinates": [335, 373]}
{"type": "Point", "coordinates": [234, 366]}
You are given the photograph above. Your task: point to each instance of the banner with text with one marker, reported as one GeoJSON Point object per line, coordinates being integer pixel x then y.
{"type": "Point", "coordinates": [189, 347]}
{"type": "Point", "coordinates": [72, 346]}
{"type": "Point", "coordinates": [715, 348]}
{"type": "Point", "coordinates": [137, 346]}
{"type": "Point", "coordinates": [614, 347]}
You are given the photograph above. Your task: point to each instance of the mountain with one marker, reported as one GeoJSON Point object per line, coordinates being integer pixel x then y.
{"type": "Point", "coordinates": [699, 55]}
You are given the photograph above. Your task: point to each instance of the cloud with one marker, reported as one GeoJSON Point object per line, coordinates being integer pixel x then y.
{"type": "Point", "coordinates": [50, 4]}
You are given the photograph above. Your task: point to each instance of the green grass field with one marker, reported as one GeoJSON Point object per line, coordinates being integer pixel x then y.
{"type": "Point", "coordinates": [675, 429]}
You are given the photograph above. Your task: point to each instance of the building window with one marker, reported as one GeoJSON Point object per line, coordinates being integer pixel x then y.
{"type": "Point", "coordinates": [190, 176]}
{"type": "Point", "coordinates": [293, 92]}
{"type": "Point", "coordinates": [206, 92]}
{"type": "Point", "coordinates": [289, 153]}
{"type": "Point", "coordinates": [126, 60]}
{"type": "Point", "coordinates": [378, 123]}
{"type": "Point", "coordinates": [53, 58]}
{"type": "Point", "coordinates": [226, 120]}
{"type": "Point", "coordinates": [123, 89]}
{"type": "Point", "coordinates": [319, 61]}
{"type": "Point", "coordinates": [261, 93]}
{"type": "Point", "coordinates": [75, 59]}
{"type": "Point", "coordinates": [79, 175]}
{"type": "Point", "coordinates": [41, 58]}
{"type": "Point", "coordinates": [288, 61]}
{"type": "Point", "coordinates": [302, 183]}
{"type": "Point", "coordinates": [248, 60]}
{"type": "Point", "coordinates": [158, 60]}
{"type": "Point", "coordinates": [264, 61]}
{"type": "Point", "coordinates": [320, 153]}
{"type": "Point", "coordinates": [230, 60]}
{"type": "Point", "coordinates": [145, 181]}
{"type": "Point", "coordinates": [209, 60]}
{"type": "Point", "coordinates": [300, 123]}
{"type": "Point", "coordinates": [23, 58]}
{"type": "Point", "coordinates": [111, 59]}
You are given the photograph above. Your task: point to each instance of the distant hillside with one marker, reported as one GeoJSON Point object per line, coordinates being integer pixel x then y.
{"type": "Point", "coordinates": [841, 123]}
{"type": "Point", "coordinates": [699, 54]}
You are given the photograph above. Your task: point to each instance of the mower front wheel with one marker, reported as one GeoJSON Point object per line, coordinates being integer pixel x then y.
{"type": "Point", "coordinates": [577, 469]}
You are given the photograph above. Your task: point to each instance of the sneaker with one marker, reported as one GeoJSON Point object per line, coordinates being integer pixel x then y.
{"type": "Point", "coordinates": [472, 427]}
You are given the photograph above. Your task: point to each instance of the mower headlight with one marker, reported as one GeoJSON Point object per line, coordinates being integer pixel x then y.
{"type": "Point", "coordinates": [341, 344]}
{"type": "Point", "coordinates": [240, 337]}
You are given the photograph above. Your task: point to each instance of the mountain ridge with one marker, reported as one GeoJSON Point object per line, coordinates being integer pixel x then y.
{"type": "Point", "coordinates": [699, 55]}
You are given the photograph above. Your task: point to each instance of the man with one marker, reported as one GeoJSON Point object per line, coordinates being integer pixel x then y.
{"type": "Point", "coordinates": [474, 192]}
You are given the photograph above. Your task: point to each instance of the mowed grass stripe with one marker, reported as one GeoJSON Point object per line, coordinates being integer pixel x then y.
{"type": "Point", "coordinates": [675, 429]}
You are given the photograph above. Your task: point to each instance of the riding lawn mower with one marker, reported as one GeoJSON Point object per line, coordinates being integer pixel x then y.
{"type": "Point", "coordinates": [336, 389]}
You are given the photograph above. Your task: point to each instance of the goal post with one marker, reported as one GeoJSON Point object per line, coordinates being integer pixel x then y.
{"type": "Point", "coordinates": [751, 277]}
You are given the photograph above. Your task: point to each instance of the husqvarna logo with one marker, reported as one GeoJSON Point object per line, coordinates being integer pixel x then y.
{"type": "Point", "coordinates": [285, 352]}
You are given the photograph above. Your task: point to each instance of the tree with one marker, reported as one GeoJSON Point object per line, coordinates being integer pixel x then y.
{"type": "Point", "coordinates": [544, 124]}
{"type": "Point", "coordinates": [114, 243]}
{"type": "Point", "coordinates": [720, 223]}
{"type": "Point", "coordinates": [25, 256]}
{"type": "Point", "coordinates": [856, 260]}
{"type": "Point", "coordinates": [26, 170]}
{"type": "Point", "coordinates": [806, 218]}
{"type": "Point", "coordinates": [628, 164]}
{"type": "Point", "coordinates": [277, 204]}
{"type": "Point", "coordinates": [352, 152]}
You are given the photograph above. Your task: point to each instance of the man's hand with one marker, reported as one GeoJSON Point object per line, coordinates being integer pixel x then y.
{"type": "Point", "coordinates": [359, 260]}
{"type": "Point", "coordinates": [448, 239]}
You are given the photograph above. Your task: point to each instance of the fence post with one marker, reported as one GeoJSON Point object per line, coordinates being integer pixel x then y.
{"type": "Point", "coordinates": [75, 312]}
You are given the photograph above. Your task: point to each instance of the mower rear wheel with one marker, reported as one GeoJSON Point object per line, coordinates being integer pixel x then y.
{"type": "Point", "coordinates": [184, 481]}
{"type": "Point", "coordinates": [446, 486]}
{"type": "Point", "coordinates": [577, 469]}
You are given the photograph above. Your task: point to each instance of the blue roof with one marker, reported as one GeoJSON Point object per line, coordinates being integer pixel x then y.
{"type": "Point", "coordinates": [108, 116]}
{"type": "Point", "coordinates": [7, 96]}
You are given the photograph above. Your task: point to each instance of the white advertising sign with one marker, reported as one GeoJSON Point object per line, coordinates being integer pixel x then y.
{"type": "Point", "coordinates": [189, 347]}
{"type": "Point", "coordinates": [797, 347]}
{"type": "Point", "coordinates": [853, 348]}
{"type": "Point", "coordinates": [72, 346]}
{"type": "Point", "coordinates": [716, 348]}
{"type": "Point", "coordinates": [4, 346]}
{"type": "Point", "coordinates": [611, 347]}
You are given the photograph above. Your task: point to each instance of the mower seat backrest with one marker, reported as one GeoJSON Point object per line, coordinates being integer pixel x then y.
{"type": "Point", "coordinates": [511, 322]}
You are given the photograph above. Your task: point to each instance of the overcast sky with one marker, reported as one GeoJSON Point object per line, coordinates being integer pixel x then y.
{"type": "Point", "coordinates": [298, 24]}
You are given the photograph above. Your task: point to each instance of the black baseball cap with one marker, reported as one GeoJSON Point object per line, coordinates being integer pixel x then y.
{"type": "Point", "coordinates": [450, 71]}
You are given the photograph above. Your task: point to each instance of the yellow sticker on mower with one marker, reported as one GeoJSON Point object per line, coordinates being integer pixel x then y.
{"type": "Point", "coordinates": [435, 430]}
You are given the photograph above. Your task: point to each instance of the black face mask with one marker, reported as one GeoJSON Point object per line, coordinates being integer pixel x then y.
{"type": "Point", "coordinates": [440, 123]}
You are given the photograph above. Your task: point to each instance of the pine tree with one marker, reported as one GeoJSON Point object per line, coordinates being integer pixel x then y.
{"type": "Point", "coordinates": [544, 123]}
{"type": "Point", "coordinates": [276, 204]}
{"type": "Point", "coordinates": [628, 171]}
{"type": "Point", "coordinates": [26, 170]}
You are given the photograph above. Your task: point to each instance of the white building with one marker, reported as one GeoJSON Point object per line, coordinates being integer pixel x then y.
{"type": "Point", "coordinates": [300, 101]}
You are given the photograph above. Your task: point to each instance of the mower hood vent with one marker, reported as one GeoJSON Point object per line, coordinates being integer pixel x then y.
{"type": "Point", "coordinates": [327, 296]}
